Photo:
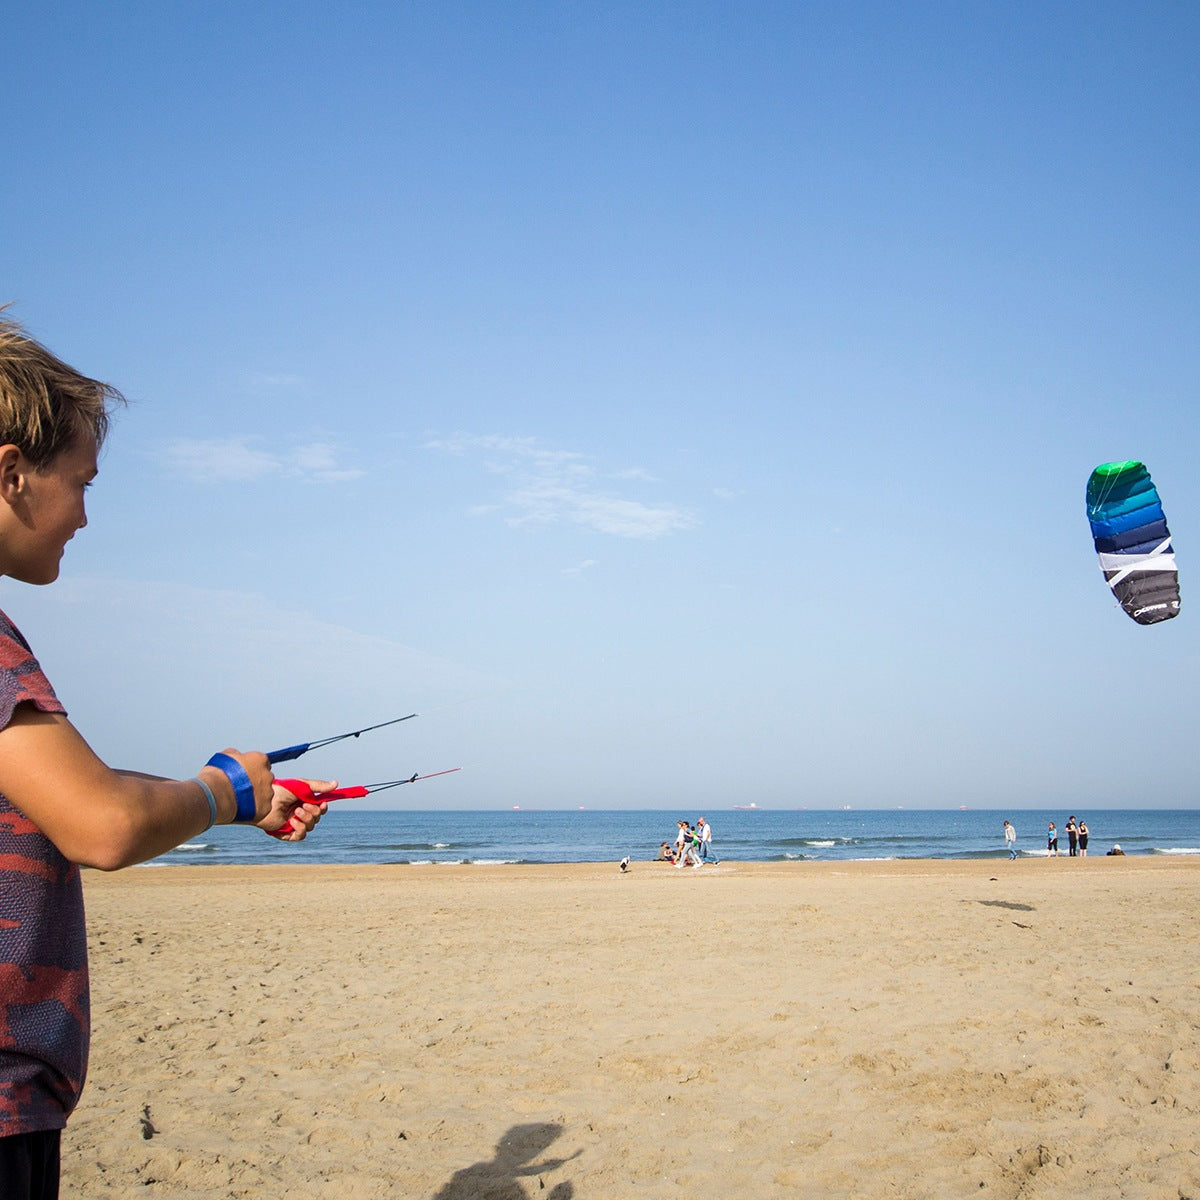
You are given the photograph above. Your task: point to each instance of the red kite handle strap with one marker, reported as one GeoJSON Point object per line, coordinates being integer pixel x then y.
{"type": "Point", "coordinates": [306, 795]}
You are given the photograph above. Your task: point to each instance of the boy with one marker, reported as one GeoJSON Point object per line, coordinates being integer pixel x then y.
{"type": "Point", "coordinates": [60, 806]}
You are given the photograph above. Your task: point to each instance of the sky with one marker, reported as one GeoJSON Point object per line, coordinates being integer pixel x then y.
{"type": "Point", "coordinates": [676, 405]}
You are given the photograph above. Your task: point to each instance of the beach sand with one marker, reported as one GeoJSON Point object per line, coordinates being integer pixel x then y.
{"type": "Point", "coordinates": [915, 1029]}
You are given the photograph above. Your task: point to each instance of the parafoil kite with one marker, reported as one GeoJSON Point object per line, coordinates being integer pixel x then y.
{"type": "Point", "coordinates": [1130, 531]}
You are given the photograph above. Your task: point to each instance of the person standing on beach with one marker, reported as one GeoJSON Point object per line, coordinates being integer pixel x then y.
{"type": "Point", "coordinates": [1010, 839]}
{"type": "Point", "coordinates": [689, 850]}
{"type": "Point", "coordinates": [1072, 837]}
{"type": "Point", "coordinates": [1083, 838]}
{"type": "Point", "coordinates": [706, 841]}
{"type": "Point", "coordinates": [60, 806]}
{"type": "Point", "coordinates": [1052, 841]}
{"type": "Point", "coordinates": [681, 837]}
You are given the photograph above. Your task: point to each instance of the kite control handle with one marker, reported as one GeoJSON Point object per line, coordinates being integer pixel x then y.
{"type": "Point", "coordinates": [306, 795]}
{"type": "Point", "coordinates": [288, 753]}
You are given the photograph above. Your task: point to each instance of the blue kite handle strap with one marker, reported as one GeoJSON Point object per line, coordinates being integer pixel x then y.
{"type": "Point", "coordinates": [243, 789]}
{"type": "Point", "coordinates": [288, 753]}
{"type": "Point", "coordinates": [212, 802]}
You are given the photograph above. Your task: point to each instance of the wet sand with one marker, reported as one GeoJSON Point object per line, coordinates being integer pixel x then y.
{"type": "Point", "coordinates": [917, 1029]}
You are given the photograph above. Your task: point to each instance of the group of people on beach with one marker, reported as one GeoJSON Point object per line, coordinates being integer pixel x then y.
{"type": "Point", "coordinates": [1077, 839]}
{"type": "Point", "coordinates": [692, 846]}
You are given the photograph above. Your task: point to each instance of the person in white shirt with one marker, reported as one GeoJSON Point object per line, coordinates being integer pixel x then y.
{"type": "Point", "coordinates": [681, 842]}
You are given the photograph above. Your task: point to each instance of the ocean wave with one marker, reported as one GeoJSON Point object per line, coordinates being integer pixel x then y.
{"type": "Point", "coordinates": [798, 841]}
{"type": "Point", "coordinates": [462, 862]}
{"type": "Point", "coordinates": [1175, 850]}
{"type": "Point", "coordinates": [403, 847]}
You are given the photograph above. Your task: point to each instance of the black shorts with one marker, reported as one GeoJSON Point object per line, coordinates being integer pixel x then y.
{"type": "Point", "coordinates": [29, 1165]}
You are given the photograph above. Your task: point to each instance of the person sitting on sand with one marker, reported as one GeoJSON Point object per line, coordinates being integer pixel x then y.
{"type": "Point", "coordinates": [1116, 850]}
{"type": "Point", "coordinates": [60, 806]}
{"type": "Point", "coordinates": [665, 853]}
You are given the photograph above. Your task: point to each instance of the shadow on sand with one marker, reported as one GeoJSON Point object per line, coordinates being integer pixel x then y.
{"type": "Point", "coordinates": [500, 1178]}
{"type": "Point", "coordinates": [1009, 904]}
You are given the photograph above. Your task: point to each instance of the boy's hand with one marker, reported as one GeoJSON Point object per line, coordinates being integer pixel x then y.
{"type": "Point", "coordinates": [258, 770]}
{"type": "Point", "coordinates": [287, 810]}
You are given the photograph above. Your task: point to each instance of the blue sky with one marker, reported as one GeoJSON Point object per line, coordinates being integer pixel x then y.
{"type": "Point", "coordinates": [676, 404]}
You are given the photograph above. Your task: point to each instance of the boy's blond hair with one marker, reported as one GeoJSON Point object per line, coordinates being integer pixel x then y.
{"type": "Point", "coordinates": [45, 405]}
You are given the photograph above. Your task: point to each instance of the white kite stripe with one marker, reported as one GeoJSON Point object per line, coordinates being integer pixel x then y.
{"type": "Point", "coordinates": [1159, 559]}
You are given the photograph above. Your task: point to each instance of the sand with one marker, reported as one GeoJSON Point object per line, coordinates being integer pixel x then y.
{"type": "Point", "coordinates": [910, 1030]}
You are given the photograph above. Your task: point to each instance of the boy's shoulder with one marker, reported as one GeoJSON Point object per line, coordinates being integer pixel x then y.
{"type": "Point", "coordinates": [21, 676]}
{"type": "Point", "coordinates": [12, 641]}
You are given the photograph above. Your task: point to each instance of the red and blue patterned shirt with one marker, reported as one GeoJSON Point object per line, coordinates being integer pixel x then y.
{"type": "Point", "coordinates": [44, 1008]}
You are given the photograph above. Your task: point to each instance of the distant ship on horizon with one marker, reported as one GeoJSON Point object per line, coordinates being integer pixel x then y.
{"type": "Point", "coordinates": [744, 807]}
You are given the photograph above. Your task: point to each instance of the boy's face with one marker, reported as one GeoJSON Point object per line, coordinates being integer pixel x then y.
{"type": "Point", "coordinates": [52, 513]}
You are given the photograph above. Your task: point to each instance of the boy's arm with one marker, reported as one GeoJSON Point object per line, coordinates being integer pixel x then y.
{"type": "Point", "coordinates": [99, 817]}
{"type": "Point", "coordinates": [284, 807]}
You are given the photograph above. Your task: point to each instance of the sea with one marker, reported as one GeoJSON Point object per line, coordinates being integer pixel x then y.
{"type": "Point", "coordinates": [739, 835]}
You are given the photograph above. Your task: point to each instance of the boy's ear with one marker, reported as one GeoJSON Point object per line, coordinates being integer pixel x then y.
{"type": "Point", "coordinates": [12, 471]}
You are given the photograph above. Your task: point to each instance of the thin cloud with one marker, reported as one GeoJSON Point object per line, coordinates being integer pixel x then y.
{"type": "Point", "coordinates": [550, 486]}
{"type": "Point", "coordinates": [228, 460]}
{"type": "Point", "coordinates": [318, 459]}
{"type": "Point", "coordinates": [579, 568]}
{"type": "Point", "coordinates": [262, 382]}
{"type": "Point", "coordinates": [546, 502]}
